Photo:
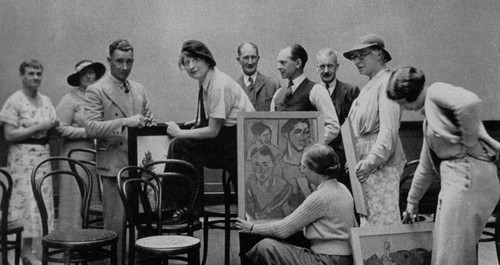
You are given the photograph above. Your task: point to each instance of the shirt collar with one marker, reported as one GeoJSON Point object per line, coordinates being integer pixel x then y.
{"type": "Point", "coordinates": [332, 86]}
{"type": "Point", "coordinates": [297, 81]}
{"type": "Point", "coordinates": [254, 77]}
{"type": "Point", "coordinates": [115, 80]}
{"type": "Point", "coordinates": [207, 79]}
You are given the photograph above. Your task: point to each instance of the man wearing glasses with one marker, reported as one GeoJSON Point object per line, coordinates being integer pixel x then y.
{"type": "Point", "coordinates": [259, 88]}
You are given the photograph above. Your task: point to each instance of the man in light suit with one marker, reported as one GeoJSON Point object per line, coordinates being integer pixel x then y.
{"type": "Point", "coordinates": [342, 95]}
{"type": "Point", "coordinates": [112, 104]}
{"type": "Point", "coordinates": [259, 88]}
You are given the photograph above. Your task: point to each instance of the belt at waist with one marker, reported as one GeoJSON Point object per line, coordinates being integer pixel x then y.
{"type": "Point", "coordinates": [39, 141]}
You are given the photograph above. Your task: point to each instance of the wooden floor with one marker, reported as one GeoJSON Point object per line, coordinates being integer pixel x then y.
{"type": "Point", "coordinates": [487, 251]}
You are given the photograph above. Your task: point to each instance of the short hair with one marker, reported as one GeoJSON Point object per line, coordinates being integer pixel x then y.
{"type": "Point", "coordinates": [405, 83]}
{"type": "Point", "coordinates": [32, 63]}
{"type": "Point", "coordinates": [198, 50]}
{"type": "Point", "coordinates": [263, 151]}
{"type": "Point", "coordinates": [298, 52]}
{"type": "Point", "coordinates": [251, 44]}
{"type": "Point", "coordinates": [122, 45]}
{"type": "Point", "coordinates": [258, 128]}
{"type": "Point", "coordinates": [329, 52]}
{"type": "Point", "coordinates": [321, 159]}
{"type": "Point", "coordinates": [288, 126]}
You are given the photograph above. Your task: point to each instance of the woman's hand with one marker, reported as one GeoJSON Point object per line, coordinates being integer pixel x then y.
{"type": "Point", "coordinates": [411, 213]}
{"type": "Point", "coordinates": [363, 170]}
{"type": "Point", "coordinates": [243, 225]}
{"type": "Point", "coordinates": [47, 125]}
{"type": "Point", "coordinates": [173, 129]}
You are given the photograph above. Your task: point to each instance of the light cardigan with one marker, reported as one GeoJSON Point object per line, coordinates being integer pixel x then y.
{"type": "Point", "coordinates": [451, 125]}
{"type": "Point", "coordinates": [326, 217]}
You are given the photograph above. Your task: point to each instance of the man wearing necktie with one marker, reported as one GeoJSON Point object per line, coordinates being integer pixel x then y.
{"type": "Point", "coordinates": [212, 143]}
{"type": "Point", "coordinates": [342, 96]}
{"type": "Point", "coordinates": [112, 104]}
{"type": "Point", "coordinates": [302, 94]}
{"type": "Point", "coordinates": [259, 88]}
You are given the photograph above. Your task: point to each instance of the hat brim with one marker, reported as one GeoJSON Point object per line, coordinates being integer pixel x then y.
{"type": "Point", "coordinates": [99, 70]}
{"type": "Point", "coordinates": [348, 54]}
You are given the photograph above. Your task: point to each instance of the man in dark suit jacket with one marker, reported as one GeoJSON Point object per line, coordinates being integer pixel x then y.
{"type": "Point", "coordinates": [112, 104]}
{"type": "Point", "coordinates": [342, 95]}
{"type": "Point", "coordinates": [259, 88]}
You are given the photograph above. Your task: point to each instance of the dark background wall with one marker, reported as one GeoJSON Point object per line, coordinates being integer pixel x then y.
{"type": "Point", "coordinates": [453, 41]}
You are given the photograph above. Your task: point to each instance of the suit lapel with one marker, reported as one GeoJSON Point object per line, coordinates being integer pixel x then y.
{"type": "Point", "coordinates": [111, 92]}
{"type": "Point", "coordinates": [339, 93]}
{"type": "Point", "coordinates": [259, 83]}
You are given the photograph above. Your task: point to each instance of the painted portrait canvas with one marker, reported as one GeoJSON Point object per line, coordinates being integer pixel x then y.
{"type": "Point", "coordinates": [393, 245]}
{"type": "Point", "coordinates": [147, 145]}
{"type": "Point", "coordinates": [270, 148]}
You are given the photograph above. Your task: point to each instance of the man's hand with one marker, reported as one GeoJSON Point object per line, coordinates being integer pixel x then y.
{"type": "Point", "coordinates": [173, 129]}
{"type": "Point", "coordinates": [136, 121]}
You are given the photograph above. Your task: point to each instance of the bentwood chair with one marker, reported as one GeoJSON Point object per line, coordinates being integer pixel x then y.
{"type": "Point", "coordinates": [179, 193]}
{"type": "Point", "coordinates": [76, 245]}
{"type": "Point", "coordinates": [95, 209]}
{"type": "Point", "coordinates": [141, 193]}
{"type": "Point", "coordinates": [6, 227]}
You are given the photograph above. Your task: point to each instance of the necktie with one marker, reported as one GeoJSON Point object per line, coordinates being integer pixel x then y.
{"type": "Point", "coordinates": [202, 121]}
{"type": "Point", "coordinates": [125, 86]}
{"type": "Point", "coordinates": [250, 81]}
{"type": "Point", "coordinates": [288, 93]}
{"type": "Point", "coordinates": [327, 86]}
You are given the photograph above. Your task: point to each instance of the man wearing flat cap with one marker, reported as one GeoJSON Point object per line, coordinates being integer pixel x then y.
{"type": "Point", "coordinates": [259, 88]}
{"type": "Point", "coordinates": [212, 141]}
{"type": "Point", "coordinates": [302, 94]}
{"type": "Point", "coordinates": [375, 121]}
{"type": "Point", "coordinates": [113, 104]}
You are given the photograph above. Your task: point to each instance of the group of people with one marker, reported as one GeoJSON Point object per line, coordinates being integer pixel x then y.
{"type": "Point", "coordinates": [103, 104]}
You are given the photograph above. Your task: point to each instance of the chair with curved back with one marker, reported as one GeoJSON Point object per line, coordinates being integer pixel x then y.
{"type": "Point", "coordinates": [76, 245]}
{"type": "Point", "coordinates": [141, 193]}
{"type": "Point", "coordinates": [6, 227]}
{"type": "Point", "coordinates": [95, 209]}
{"type": "Point", "coordinates": [173, 186]}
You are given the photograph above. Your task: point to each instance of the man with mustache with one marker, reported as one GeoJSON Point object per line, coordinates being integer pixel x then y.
{"type": "Point", "coordinates": [259, 88]}
{"type": "Point", "coordinates": [111, 105]}
{"type": "Point", "coordinates": [301, 94]}
{"type": "Point", "coordinates": [342, 95]}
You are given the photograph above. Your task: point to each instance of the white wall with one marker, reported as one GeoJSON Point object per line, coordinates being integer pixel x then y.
{"type": "Point", "coordinates": [453, 41]}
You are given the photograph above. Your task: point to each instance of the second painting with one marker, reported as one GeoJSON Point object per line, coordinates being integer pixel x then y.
{"type": "Point", "coordinates": [270, 148]}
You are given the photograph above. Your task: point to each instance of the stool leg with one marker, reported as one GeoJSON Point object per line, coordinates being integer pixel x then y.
{"type": "Point", "coordinates": [205, 238]}
{"type": "Point", "coordinates": [114, 260]}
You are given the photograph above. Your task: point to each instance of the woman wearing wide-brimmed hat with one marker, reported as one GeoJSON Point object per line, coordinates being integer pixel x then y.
{"type": "Point", "coordinates": [71, 115]}
{"type": "Point", "coordinates": [375, 120]}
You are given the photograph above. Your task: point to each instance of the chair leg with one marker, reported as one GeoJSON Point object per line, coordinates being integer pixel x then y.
{"type": "Point", "coordinates": [17, 251]}
{"type": "Point", "coordinates": [205, 238]}
{"type": "Point", "coordinates": [45, 255]}
{"type": "Point", "coordinates": [194, 257]}
{"type": "Point", "coordinates": [114, 260]}
{"type": "Point", "coordinates": [67, 257]}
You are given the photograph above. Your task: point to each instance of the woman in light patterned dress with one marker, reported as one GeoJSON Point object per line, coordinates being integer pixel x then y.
{"type": "Point", "coordinates": [28, 117]}
{"type": "Point", "coordinates": [70, 112]}
{"type": "Point", "coordinates": [375, 120]}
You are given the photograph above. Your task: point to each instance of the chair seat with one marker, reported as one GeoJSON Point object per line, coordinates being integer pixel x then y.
{"type": "Point", "coordinates": [95, 209]}
{"type": "Point", "coordinates": [13, 227]}
{"type": "Point", "coordinates": [168, 242]}
{"type": "Point", "coordinates": [76, 237]}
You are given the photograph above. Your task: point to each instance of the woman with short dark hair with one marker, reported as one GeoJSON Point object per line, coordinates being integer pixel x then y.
{"type": "Point", "coordinates": [458, 149]}
{"type": "Point", "coordinates": [326, 217]}
{"type": "Point", "coordinates": [212, 141]}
